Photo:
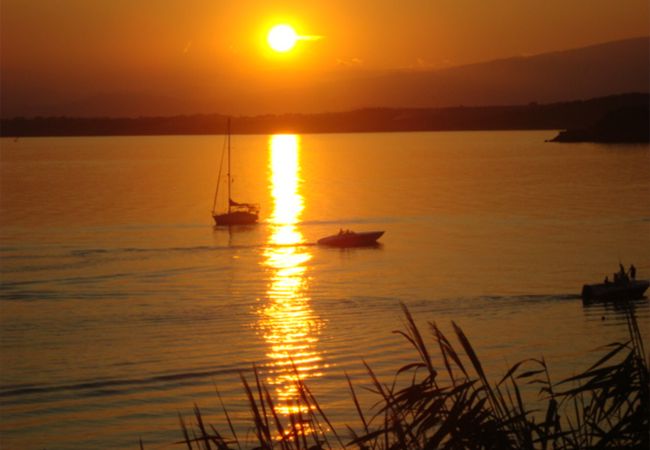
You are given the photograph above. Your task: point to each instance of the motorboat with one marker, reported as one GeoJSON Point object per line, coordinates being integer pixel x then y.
{"type": "Point", "coordinates": [625, 287]}
{"type": "Point", "coordinates": [348, 238]}
{"type": "Point", "coordinates": [622, 291]}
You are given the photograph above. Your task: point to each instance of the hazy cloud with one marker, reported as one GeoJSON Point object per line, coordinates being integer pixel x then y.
{"type": "Point", "coordinates": [349, 62]}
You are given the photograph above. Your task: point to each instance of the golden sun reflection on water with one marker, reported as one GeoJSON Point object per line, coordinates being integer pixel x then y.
{"type": "Point", "coordinates": [288, 324]}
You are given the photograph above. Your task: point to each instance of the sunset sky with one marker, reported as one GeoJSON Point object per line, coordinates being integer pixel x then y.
{"type": "Point", "coordinates": [64, 51]}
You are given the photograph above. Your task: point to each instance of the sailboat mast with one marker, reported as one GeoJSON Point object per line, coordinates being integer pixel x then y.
{"type": "Point", "coordinates": [229, 181]}
{"type": "Point", "coordinates": [216, 190]}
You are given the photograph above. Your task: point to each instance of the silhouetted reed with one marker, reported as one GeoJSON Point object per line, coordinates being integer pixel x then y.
{"type": "Point", "coordinates": [457, 407]}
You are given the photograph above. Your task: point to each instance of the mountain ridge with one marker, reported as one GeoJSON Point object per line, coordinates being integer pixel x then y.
{"type": "Point", "coordinates": [586, 72]}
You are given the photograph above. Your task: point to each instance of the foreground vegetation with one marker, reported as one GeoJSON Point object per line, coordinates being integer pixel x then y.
{"type": "Point", "coordinates": [457, 407]}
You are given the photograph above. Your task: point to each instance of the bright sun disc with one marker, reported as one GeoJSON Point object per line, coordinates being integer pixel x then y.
{"type": "Point", "coordinates": [282, 38]}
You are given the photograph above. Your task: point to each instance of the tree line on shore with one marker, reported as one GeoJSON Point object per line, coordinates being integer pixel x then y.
{"type": "Point", "coordinates": [553, 116]}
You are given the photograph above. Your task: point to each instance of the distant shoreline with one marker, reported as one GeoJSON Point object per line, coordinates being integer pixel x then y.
{"type": "Point", "coordinates": [622, 125]}
{"type": "Point", "coordinates": [553, 116]}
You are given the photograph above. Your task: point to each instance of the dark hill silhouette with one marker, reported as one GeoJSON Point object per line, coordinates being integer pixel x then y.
{"type": "Point", "coordinates": [605, 69]}
{"type": "Point", "coordinates": [554, 116]}
{"type": "Point", "coordinates": [588, 72]}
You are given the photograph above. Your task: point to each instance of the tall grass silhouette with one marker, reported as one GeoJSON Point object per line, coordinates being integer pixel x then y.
{"type": "Point", "coordinates": [456, 406]}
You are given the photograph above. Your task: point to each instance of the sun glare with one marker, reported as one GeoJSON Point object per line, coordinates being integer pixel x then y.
{"type": "Point", "coordinates": [282, 38]}
{"type": "Point", "coordinates": [288, 323]}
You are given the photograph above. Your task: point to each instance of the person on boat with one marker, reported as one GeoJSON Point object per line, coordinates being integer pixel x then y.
{"type": "Point", "coordinates": [606, 279]}
{"type": "Point", "coordinates": [340, 231]}
{"type": "Point", "coordinates": [622, 275]}
{"type": "Point", "coordinates": [632, 272]}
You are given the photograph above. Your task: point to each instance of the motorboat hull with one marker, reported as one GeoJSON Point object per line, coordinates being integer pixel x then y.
{"type": "Point", "coordinates": [351, 239]}
{"type": "Point", "coordinates": [614, 292]}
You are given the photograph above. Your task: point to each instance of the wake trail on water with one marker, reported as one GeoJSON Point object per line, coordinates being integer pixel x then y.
{"type": "Point", "coordinates": [95, 387]}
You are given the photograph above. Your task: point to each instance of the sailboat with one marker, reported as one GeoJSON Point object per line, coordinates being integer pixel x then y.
{"type": "Point", "coordinates": [237, 213]}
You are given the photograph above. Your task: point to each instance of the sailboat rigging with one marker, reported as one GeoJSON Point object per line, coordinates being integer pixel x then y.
{"type": "Point", "coordinates": [236, 213]}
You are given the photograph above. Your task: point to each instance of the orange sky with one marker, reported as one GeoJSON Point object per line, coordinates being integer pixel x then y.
{"type": "Point", "coordinates": [69, 49]}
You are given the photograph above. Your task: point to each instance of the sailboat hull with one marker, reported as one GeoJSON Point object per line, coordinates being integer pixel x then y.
{"type": "Point", "coordinates": [235, 218]}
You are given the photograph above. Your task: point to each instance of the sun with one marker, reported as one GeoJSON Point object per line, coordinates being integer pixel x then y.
{"type": "Point", "coordinates": [282, 38]}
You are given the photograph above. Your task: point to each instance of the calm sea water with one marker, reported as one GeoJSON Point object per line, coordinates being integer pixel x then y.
{"type": "Point", "coordinates": [121, 305]}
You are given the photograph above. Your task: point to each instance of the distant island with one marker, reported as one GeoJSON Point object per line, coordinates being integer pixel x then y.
{"type": "Point", "coordinates": [617, 118]}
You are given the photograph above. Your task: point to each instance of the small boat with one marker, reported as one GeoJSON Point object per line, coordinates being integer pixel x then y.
{"type": "Point", "coordinates": [624, 288]}
{"type": "Point", "coordinates": [622, 291]}
{"type": "Point", "coordinates": [348, 238]}
{"type": "Point", "coordinates": [236, 213]}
